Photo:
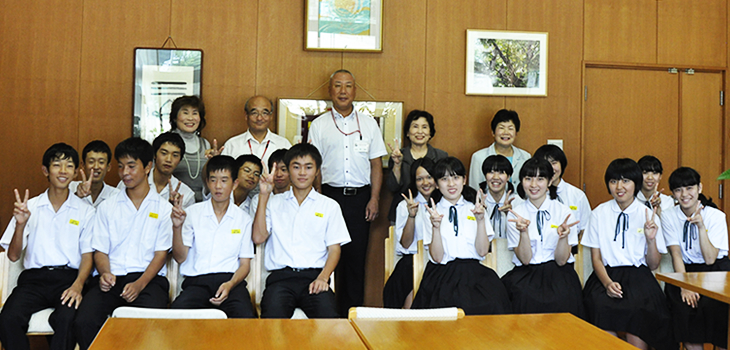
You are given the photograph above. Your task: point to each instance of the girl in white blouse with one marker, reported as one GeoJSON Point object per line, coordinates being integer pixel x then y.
{"type": "Point", "coordinates": [499, 194]}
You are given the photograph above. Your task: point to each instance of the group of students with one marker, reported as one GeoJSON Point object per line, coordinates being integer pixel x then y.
{"type": "Point", "coordinates": [119, 238]}
{"type": "Point", "coordinates": [541, 217]}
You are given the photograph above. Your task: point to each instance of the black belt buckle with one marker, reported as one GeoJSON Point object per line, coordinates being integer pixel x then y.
{"type": "Point", "coordinates": [57, 267]}
{"type": "Point", "coordinates": [349, 191]}
{"type": "Point", "coordinates": [295, 269]}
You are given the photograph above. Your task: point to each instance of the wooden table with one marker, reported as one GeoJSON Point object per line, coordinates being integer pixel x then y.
{"type": "Point", "coordinates": [715, 285]}
{"type": "Point", "coordinates": [131, 333]}
{"type": "Point", "coordinates": [537, 331]}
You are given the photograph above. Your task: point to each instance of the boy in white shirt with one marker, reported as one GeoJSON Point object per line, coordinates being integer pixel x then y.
{"type": "Point", "coordinates": [54, 228]}
{"type": "Point", "coordinates": [305, 230]}
{"type": "Point", "coordinates": [212, 243]}
{"type": "Point", "coordinates": [97, 158]}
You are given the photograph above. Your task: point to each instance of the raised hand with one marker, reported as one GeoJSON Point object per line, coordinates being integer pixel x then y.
{"type": "Point", "coordinates": [564, 228]}
{"type": "Point", "coordinates": [508, 203]}
{"type": "Point", "coordinates": [478, 210]}
{"type": "Point", "coordinates": [395, 153]}
{"type": "Point", "coordinates": [696, 218]}
{"type": "Point", "coordinates": [174, 194]}
{"type": "Point", "coordinates": [411, 204]}
{"type": "Point", "coordinates": [21, 212]}
{"type": "Point", "coordinates": [84, 188]}
{"type": "Point", "coordinates": [521, 223]}
{"type": "Point", "coordinates": [435, 216]}
{"type": "Point", "coordinates": [656, 200]}
{"type": "Point", "coordinates": [212, 152]}
{"type": "Point", "coordinates": [266, 184]}
{"type": "Point", "coordinates": [178, 213]}
{"type": "Point", "coordinates": [650, 227]}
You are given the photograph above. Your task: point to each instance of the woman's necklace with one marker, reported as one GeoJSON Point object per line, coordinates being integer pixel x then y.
{"type": "Point", "coordinates": [197, 156]}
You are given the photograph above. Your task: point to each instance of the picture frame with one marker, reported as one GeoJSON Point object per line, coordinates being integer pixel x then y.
{"type": "Point", "coordinates": [329, 26]}
{"type": "Point", "coordinates": [506, 63]}
{"type": "Point", "coordinates": [295, 116]}
{"type": "Point", "coordinates": [161, 76]}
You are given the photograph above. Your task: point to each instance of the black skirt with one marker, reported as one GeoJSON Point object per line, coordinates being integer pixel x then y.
{"type": "Point", "coordinates": [708, 322]}
{"type": "Point", "coordinates": [399, 284]}
{"type": "Point", "coordinates": [643, 311]}
{"type": "Point", "coordinates": [463, 283]}
{"type": "Point", "coordinates": [545, 288]}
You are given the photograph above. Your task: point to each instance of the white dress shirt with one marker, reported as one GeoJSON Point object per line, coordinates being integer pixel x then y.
{"type": "Point", "coordinates": [673, 225]}
{"type": "Point", "coordinates": [498, 219]}
{"type": "Point", "coordinates": [476, 176]}
{"type": "Point", "coordinates": [106, 192]}
{"type": "Point", "coordinates": [463, 245]}
{"type": "Point", "coordinates": [246, 144]}
{"type": "Point", "coordinates": [543, 246]}
{"type": "Point", "coordinates": [667, 201]}
{"type": "Point", "coordinates": [401, 216]}
{"type": "Point", "coordinates": [53, 238]}
{"type": "Point", "coordinates": [188, 194]}
{"type": "Point", "coordinates": [578, 203]}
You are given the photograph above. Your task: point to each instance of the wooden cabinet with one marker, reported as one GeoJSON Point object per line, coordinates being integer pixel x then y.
{"type": "Point", "coordinates": [692, 32]}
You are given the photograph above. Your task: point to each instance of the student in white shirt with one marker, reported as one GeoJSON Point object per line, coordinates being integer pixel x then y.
{"type": "Point", "coordinates": [539, 233]}
{"type": "Point", "coordinates": [697, 238]}
{"type": "Point", "coordinates": [409, 219]}
{"type": "Point", "coordinates": [132, 234]}
{"type": "Point", "coordinates": [457, 244]}
{"type": "Point", "coordinates": [303, 231]}
{"type": "Point", "coordinates": [651, 169]}
{"type": "Point", "coordinates": [54, 229]}
{"type": "Point", "coordinates": [626, 241]}
{"type": "Point", "coordinates": [212, 243]}
{"type": "Point", "coordinates": [249, 173]}
{"type": "Point", "coordinates": [499, 193]}
{"type": "Point", "coordinates": [277, 167]}
{"type": "Point", "coordinates": [97, 158]}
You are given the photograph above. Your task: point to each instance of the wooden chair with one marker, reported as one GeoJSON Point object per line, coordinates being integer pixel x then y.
{"type": "Point", "coordinates": [419, 265]}
{"type": "Point", "coordinates": [499, 258]}
{"type": "Point", "coordinates": [389, 255]}
{"type": "Point", "coordinates": [383, 314]}
{"type": "Point", "coordinates": [38, 324]}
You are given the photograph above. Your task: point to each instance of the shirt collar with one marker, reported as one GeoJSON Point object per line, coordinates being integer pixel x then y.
{"type": "Point", "coordinates": [443, 203]}
{"type": "Point", "coordinates": [43, 200]}
{"type": "Point", "coordinates": [420, 199]}
{"type": "Point", "coordinates": [210, 212]}
{"type": "Point", "coordinates": [313, 195]}
{"type": "Point", "coordinates": [629, 209]}
{"type": "Point", "coordinates": [491, 200]}
{"type": "Point", "coordinates": [249, 137]}
{"type": "Point", "coordinates": [340, 116]}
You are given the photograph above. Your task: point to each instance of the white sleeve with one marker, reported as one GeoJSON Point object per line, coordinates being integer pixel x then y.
{"type": "Point", "coordinates": [590, 236]}
{"type": "Point", "coordinates": [716, 228]}
{"type": "Point", "coordinates": [670, 229]}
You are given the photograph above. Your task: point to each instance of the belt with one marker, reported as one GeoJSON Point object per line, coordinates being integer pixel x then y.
{"type": "Point", "coordinates": [295, 269]}
{"type": "Point", "coordinates": [57, 267]}
{"type": "Point", "coordinates": [349, 191]}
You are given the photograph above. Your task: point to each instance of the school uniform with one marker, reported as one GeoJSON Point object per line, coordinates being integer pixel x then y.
{"type": "Point", "coordinates": [246, 144]}
{"type": "Point", "coordinates": [53, 243]}
{"type": "Point", "coordinates": [347, 145]}
{"type": "Point", "coordinates": [578, 203]}
{"type": "Point", "coordinates": [476, 176]}
{"type": "Point", "coordinates": [130, 237]}
{"type": "Point", "coordinates": [106, 192]}
{"type": "Point", "coordinates": [459, 279]}
{"type": "Point", "coordinates": [498, 219]}
{"type": "Point", "coordinates": [666, 204]}
{"type": "Point", "coordinates": [643, 310]}
{"type": "Point", "coordinates": [542, 286]}
{"type": "Point", "coordinates": [213, 258]}
{"type": "Point", "coordinates": [708, 323]}
{"type": "Point", "coordinates": [400, 282]}
{"type": "Point", "coordinates": [188, 194]}
{"type": "Point", "coordinates": [296, 252]}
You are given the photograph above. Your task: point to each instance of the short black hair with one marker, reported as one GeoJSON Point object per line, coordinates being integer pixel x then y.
{"type": "Point", "coordinates": [302, 150]}
{"type": "Point", "coordinates": [498, 163]}
{"type": "Point", "coordinates": [192, 101]}
{"type": "Point", "coordinates": [552, 153]}
{"type": "Point", "coordinates": [684, 177]}
{"type": "Point", "coordinates": [169, 137]}
{"type": "Point", "coordinates": [454, 167]}
{"type": "Point", "coordinates": [221, 162]}
{"type": "Point", "coordinates": [97, 146]}
{"type": "Point", "coordinates": [650, 164]}
{"type": "Point", "coordinates": [242, 159]}
{"type": "Point", "coordinates": [535, 167]}
{"type": "Point", "coordinates": [277, 157]}
{"type": "Point", "coordinates": [425, 163]}
{"type": "Point", "coordinates": [624, 168]}
{"type": "Point", "coordinates": [60, 151]}
{"type": "Point", "coordinates": [136, 148]}
{"type": "Point", "coordinates": [504, 115]}
{"type": "Point", "coordinates": [415, 115]}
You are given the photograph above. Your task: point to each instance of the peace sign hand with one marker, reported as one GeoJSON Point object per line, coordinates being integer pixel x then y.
{"type": "Point", "coordinates": [564, 228]}
{"type": "Point", "coordinates": [521, 223]}
{"type": "Point", "coordinates": [84, 188]}
{"type": "Point", "coordinates": [478, 210]}
{"type": "Point", "coordinates": [435, 216]}
{"type": "Point", "coordinates": [656, 200]}
{"type": "Point", "coordinates": [212, 152]}
{"type": "Point", "coordinates": [21, 212]}
{"type": "Point", "coordinates": [650, 227]}
{"type": "Point", "coordinates": [508, 203]}
{"type": "Point", "coordinates": [411, 204]}
{"type": "Point", "coordinates": [178, 213]}
{"type": "Point", "coordinates": [395, 153]}
{"type": "Point", "coordinates": [174, 194]}
{"type": "Point", "coordinates": [696, 218]}
{"type": "Point", "coordinates": [266, 184]}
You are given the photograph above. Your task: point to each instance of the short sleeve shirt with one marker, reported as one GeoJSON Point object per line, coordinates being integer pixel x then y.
{"type": "Point", "coordinates": [401, 216]}
{"type": "Point", "coordinates": [543, 246]}
{"type": "Point", "coordinates": [463, 245]}
{"type": "Point", "coordinates": [578, 203]}
{"type": "Point", "coordinates": [673, 225]}
{"type": "Point", "coordinates": [106, 192]}
{"type": "Point", "coordinates": [187, 193]}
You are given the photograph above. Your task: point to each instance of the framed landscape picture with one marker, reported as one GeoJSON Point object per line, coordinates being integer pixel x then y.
{"type": "Point", "coordinates": [506, 63]}
{"type": "Point", "coordinates": [336, 25]}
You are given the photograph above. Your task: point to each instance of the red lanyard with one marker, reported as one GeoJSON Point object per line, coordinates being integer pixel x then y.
{"type": "Point", "coordinates": [265, 148]}
{"type": "Point", "coordinates": [342, 132]}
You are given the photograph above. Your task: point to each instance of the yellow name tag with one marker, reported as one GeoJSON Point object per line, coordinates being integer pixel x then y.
{"type": "Point", "coordinates": [236, 231]}
{"type": "Point", "coordinates": [641, 230]}
{"type": "Point", "coordinates": [74, 222]}
{"type": "Point", "coordinates": [573, 207]}
{"type": "Point", "coordinates": [319, 215]}
{"type": "Point", "coordinates": [154, 215]}
{"type": "Point", "coordinates": [471, 218]}
{"type": "Point", "coordinates": [553, 226]}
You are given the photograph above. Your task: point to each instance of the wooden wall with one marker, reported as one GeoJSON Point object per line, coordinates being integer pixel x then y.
{"type": "Point", "coordinates": [66, 68]}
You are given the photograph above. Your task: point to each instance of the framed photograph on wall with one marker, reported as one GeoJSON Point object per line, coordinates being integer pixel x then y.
{"type": "Point", "coordinates": [296, 115]}
{"type": "Point", "coordinates": [335, 25]}
{"type": "Point", "coordinates": [161, 76]}
{"type": "Point", "coordinates": [506, 63]}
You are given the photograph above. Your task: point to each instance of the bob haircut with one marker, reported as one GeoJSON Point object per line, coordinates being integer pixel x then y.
{"type": "Point", "coordinates": [497, 163]}
{"type": "Point", "coordinates": [302, 150]}
{"type": "Point", "coordinates": [504, 115]}
{"type": "Point", "coordinates": [537, 167]}
{"type": "Point", "coordinates": [624, 168]}
{"type": "Point", "coordinates": [454, 167]}
{"type": "Point", "coordinates": [552, 153]}
{"type": "Point", "coordinates": [97, 146]}
{"type": "Point", "coordinates": [219, 162]}
{"type": "Point", "coordinates": [192, 101]}
{"type": "Point", "coordinates": [425, 163]}
{"type": "Point", "coordinates": [650, 164]}
{"type": "Point", "coordinates": [684, 177]}
{"type": "Point", "coordinates": [60, 151]}
{"type": "Point", "coordinates": [135, 148]}
{"type": "Point", "coordinates": [415, 115]}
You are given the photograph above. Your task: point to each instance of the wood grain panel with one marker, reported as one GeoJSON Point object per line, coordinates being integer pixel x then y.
{"type": "Point", "coordinates": [701, 143]}
{"type": "Point", "coordinates": [620, 31]}
{"type": "Point", "coordinates": [39, 66]}
{"type": "Point", "coordinates": [556, 116]}
{"type": "Point", "coordinates": [628, 114]}
{"type": "Point", "coordinates": [692, 32]}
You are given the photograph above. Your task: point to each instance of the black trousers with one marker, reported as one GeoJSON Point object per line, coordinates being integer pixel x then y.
{"type": "Point", "coordinates": [287, 289]}
{"type": "Point", "coordinates": [98, 305]}
{"type": "Point", "coordinates": [350, 272]}
{"type": "Point", "coordinates": [38, 289]}
{"type": "Point", "coordinates": [197, 291]}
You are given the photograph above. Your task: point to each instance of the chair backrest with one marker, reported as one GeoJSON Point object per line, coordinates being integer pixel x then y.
{"type": "Point", "coordinates": [374, 313]}
{"type": "Point", "coordinates": [501, 257]}
{"type": "Point", "coordinates": [419, 264]}
{"type": "Point", "coordinates": [11, 271]}
{"type": "Point", "coordinates": [141, 312]}
{"type": "Point", "coordinates": [389, 255]}
{"type": "Point", "coordinates": [174, 277]}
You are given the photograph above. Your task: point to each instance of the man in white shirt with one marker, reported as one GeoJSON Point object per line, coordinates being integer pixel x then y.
{"type": "Point", "coordinates": [97, 158]}
{"type": "Point", "coordinates": [132, 234]}
{"type": "Point", "coordinates": [258, 139]}
{"type": "Point", "coordinates": [351, 145]}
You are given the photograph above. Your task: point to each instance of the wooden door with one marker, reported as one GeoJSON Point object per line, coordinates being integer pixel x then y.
{"type": "Point", "coordinates": [628, 114]}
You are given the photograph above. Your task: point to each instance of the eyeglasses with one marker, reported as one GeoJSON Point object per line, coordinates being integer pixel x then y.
{"type": "Point", "coordinates": [255, 113]}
